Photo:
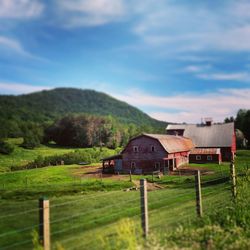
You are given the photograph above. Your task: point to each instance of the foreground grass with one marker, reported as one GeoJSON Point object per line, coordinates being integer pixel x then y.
{"type": "Point", "coordinates": [76, 216]}
{"type": "Point", "coordinates": [86, 212]}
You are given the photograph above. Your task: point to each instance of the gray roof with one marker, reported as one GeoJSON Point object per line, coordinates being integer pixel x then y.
{"type": "Point", "coordinates": [216, 135]}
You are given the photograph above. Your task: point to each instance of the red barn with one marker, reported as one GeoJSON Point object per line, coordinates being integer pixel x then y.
{"type": "Point", "coordinates": [209, 135]}
{"type": "Point", "coordinates": [151, 152]}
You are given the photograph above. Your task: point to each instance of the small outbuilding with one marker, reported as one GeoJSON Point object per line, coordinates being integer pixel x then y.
{"type": "Point", "coordinates": [205, 155]}
{"type": "Point", "coordinates": [112, 164]}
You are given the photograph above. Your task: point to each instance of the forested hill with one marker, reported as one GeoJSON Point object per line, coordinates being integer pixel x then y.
{"type": "Point", "coordinates": [51, 104]}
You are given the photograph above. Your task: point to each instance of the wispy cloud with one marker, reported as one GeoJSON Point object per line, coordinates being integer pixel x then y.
{"type": "Point", "coordinates": [19, 9]}
{"type": "Point", "coordinates": [90, 13]}
{"type": "Point", "coordinates": [196, 68]}
{"type": "Point", "coordinates": [20, 88]}
{"type": "Point", "coordinates": [195, 27]}
{"type": "Point", "coordinates": [188, 107]}
{"type": "Point", "coordinates": [14, 46]}
{"type": "Point", "coordinates": [240, 76]}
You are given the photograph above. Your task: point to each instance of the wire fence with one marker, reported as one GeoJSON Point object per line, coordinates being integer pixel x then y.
{"type": "Point", "coordinates": [75, 222]}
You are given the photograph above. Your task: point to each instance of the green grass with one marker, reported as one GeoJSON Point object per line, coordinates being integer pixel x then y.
{"type": "Point", "coordinates": [52, 181]}
{"type": "Point", "coordinates": [21, 157]}
{"type": "Point", "coordinates": [85, 210]}
{"type": "Point", "coordinates": [78, 215]}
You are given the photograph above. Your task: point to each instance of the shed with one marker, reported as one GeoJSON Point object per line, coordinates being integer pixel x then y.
{"type": "Point", "coordinates": [112, 164]}
{"type": "Point", "coordinates": [205, 155]}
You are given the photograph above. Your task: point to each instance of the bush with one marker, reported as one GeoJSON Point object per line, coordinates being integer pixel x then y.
{"type": "Point", "coordinates": [30, 141]}
{"type": "Point", "coordinates": [6, 148]}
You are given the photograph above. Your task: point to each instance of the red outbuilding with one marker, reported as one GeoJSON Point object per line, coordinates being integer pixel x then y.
{"type": "Point", "coordinates": [204, 155]}
{"type": "Point", "coordinates": [208, 135]}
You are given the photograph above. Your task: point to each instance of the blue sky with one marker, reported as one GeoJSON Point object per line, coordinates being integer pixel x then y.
{"type": "Point", "coordinates": [175, 60]}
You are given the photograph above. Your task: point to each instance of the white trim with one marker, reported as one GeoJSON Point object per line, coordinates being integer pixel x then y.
{"type": "Point", "coordinates": [198, 157]}
{"type": "Point", "coordinates": [133, 164]}
{"type": "Point", "coordinates": [157, 165]}
{"type": "Point", "coordinates": [135, 149]}
{"type": "Point", "coordinates": [209, 157]}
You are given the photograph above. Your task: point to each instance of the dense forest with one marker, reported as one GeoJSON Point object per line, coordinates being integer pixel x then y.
{"type": "Point", "coordinates": [67, 115]}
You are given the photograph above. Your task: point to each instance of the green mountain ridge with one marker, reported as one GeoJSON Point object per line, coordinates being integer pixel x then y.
{"type": "Point", "coordinates": [49, 105]}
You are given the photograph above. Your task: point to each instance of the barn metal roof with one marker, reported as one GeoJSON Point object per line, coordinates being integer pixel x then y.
{"type": "Point", "coordinates": [172, 143]}
{"type": "Point", "coordinates": [216, 135]}
{"type": "Point", "coordinates": [205, 151]}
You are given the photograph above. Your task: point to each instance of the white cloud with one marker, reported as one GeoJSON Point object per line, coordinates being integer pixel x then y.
{"type": "Point", "coordinates": [182, 26]}
{"type": "Point", "coordinates": [240, 76]}
{"type": "Point", "coordinates": [196, 68]}
{"type": "Point", "coordinates": [20, 88]}
{"type": "Point", "coordinates": [188, 107]}
{"type": "Point", "coordinates": [19, 9]}
{"type": "Point", "coordinates": [90, 13]}
{"type": "Point", "coordinates": [12, 45]}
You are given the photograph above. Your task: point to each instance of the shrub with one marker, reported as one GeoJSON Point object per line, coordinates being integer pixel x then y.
{"type": "Point", "coordinates": [6, 148]}
{"type": "Point", "coordinates": [30, 141]}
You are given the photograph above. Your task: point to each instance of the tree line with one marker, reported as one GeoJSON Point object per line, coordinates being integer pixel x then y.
{"type": "Point", "coordinates": [242, 122]}
{"type": "Point", "coordinates": [73, 131]}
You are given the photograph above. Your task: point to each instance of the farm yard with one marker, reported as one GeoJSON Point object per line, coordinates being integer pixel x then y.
{"type": "Point", "coordinates": [90, 210]}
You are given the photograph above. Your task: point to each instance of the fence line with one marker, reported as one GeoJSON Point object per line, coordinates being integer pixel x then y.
{"type": "Point", "coordinates": [143, 213]}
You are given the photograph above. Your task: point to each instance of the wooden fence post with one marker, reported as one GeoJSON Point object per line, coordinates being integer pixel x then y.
{"type": "Point", "coordinates": [198, 193]}
{"type": "Point", "coordinates": [233, 179]}
{"type": "Point", "coordinates": [44, 223]}
{"type": "Point", "coordinates": [130, 176]}
{"type": "Point", "coordinates": [144, 207]}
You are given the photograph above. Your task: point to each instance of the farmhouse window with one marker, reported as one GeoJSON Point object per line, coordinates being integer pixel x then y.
{"type": "Point", "coordinates": [133, 165]}
{"type": "Point", "coordinates": [135, 149]}
{"type": "Point", "coordinates": [152, 148]}
{"type": "Point", "coordinates": [209, 158]}
{"type": "Point", "coordinates": [198, 157]}
{"type": "Point", "coordinates": [157, 165]}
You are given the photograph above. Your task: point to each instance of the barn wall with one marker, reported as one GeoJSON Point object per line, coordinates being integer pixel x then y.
{"type": "Point", "coordinates": [144, 159]}
{"type": "Point", "coordinates": [234, 143]}
{"type": "Point", "coordinates": [226, 153]}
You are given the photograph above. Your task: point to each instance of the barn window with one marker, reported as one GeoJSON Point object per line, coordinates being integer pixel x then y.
{"type": "Point", "coordinates": [209, 158]}
{"type": "Point", "coordinates": [198, 157]}
{"type": "Point", "coordinates": [135, 149]}
{"type": "Point", "coordinates": [157, 165]}
{"type": "Point", "coordinates": [133, 165]}
{"type": "Point", "coordinates": [152, 148]}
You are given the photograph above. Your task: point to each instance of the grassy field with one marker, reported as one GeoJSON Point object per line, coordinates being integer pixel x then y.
{"type": "Point", "coordinates": [21, 156]}
{"type": "Point", "coordinates": [87, 212]}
